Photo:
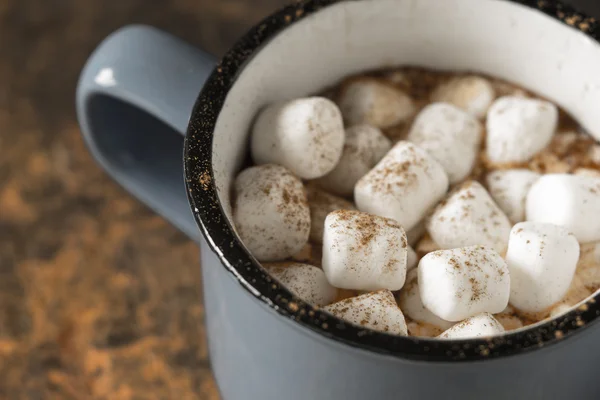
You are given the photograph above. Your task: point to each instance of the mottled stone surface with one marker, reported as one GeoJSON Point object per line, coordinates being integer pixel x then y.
{"type": "Point", "coordinates": [89, 305]}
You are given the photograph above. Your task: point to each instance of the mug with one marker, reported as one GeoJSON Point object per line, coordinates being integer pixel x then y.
{"type": "Point", "coordinates": [143, 96]}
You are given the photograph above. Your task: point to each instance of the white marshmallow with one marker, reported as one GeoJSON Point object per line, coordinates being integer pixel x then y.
{"type": "Point", "coordinates": [364, 147]}
{"type": "Point", "coordinates": [469, 217]}
{"type": "Point", "coordinates": [460, 283]}
{"type": "Point", "coordinates": [411, 258]}
{"type": "Point", "coordinates": [305, 281]}
{"type": "Point", "coordinates": [450, 135]}
{"type": "Point", "coordinates": [479, 326]}
{"type": "Point", "coordinates": [412, 306]}
{"type": "Point", "coordinates": [572, 201]}
{"type": "Point", "coordinates": [416, 233]}
{"type": "Point", "coordinates": [404, 185]}
{"type": "Point", "coordinates": [271, 212]}
{"type": "Point", "coordinates": [364, 252]}
{"type": "Point", "coordinates": [305, 135]}
{"type": "Point", "coordinates": [321, 204]}
{"type": "Point", "coordinates": [542, 259]}
{"type": "Point", "coordinates": [509, 190]}
{"type": "Point", "coordinates": [470, 93]}
{"type": "Point", "coordinates": [518, 128]}
{"type": "Point", "coordinates": [377, 311]}
{"type": "Point", "coordinates": [368, 101]}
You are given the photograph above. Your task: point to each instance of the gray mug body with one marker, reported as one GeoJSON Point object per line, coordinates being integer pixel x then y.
{"type": "Point", "coordinates": [134, 100]}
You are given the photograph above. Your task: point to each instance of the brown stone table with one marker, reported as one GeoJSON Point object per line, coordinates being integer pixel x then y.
{"type": "Point", "coordinates": [99, 298]}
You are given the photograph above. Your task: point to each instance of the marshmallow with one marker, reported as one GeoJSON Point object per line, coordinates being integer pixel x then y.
{"type": "Point", "coordinates": [509, 190]}
{"type": "Point", "coordinates": [377, 311]}
{"type": "Point", "coordinates": [363, 251]}
{"type": "Point", "coordinates": [321, 204]}
{"type": "Point", "coordinates": [305, 135]}
{"type": "Point", "coordinates": [518, 128]}
{"type": "Point", "coordinates": [572, 201]}
{"type": "Point", "coordinates": [415, 234]}
{"type": "Point", "coordinates": [412, 306]}
{"type": "Point", "coordinates": [470, 93]}
{"type": "Point", "coordinates": [450, 135]}
{"type": "Point", "coordinates": [479, 326]}
{"type": "Point", "coordinates": [368, 101]}
{"type": "Point", "coordinates": [305, 281]}
{"type": "Point", "coordinates": [411, 258]}
{"type": "Point", "coordinates": [460, 283]}
{"type": "Point", "coordinates": [469, 217]}
{"type": "Point", "coordinates": [270, 212]}
{"type": "Point", "coordinates": [364, 147]}
{"type": "Point", "coordinates": [404, 185]}
{"type": "Point", "coordinates": [542, 259]}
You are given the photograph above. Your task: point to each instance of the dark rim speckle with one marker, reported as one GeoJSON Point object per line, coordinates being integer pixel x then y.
{"type": "Point", "coordinates": [247, 271]}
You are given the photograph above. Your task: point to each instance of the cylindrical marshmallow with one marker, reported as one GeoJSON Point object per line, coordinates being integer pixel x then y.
{"type": "Point", "coordinates": [450, 135]}
{"type": "Point", "coordinates": [461, 283]}
{"type": "Point", "coordinates": [364, 252]}
{"type": "Point", "coordinates": [541, 259]}
{"type": "Point", "coordinates": [369, 101]}
{"type": "Point", "coordinates": [473, 94]}
{"type": "Point", "coordinates": [509, 190]}
{"type": "Point", "coordinates": [571, 201]}
{"type": "Point", "coordinates": [469, 217]}
{"type": "Point", "coordinates": [377, 311]}
{"type": "Point", "coordinates": [404, 185]}
{"type": "Point", "coordinates": [479, 326]}
{"type": "Point", "coordinates": [305, 135]}
{"type": "Point", "coordinates": [305, 281]}
{"type": "Point", "coordinates": [518, 128]}
{"type": "Point", "coordinates": [364, 147]}
{"type": "Point", "coordinates": [412, 306]}
{"type": "Point", "coordinates": [321, 204]}
{"type": "Point", "coordinates": [271, 212]}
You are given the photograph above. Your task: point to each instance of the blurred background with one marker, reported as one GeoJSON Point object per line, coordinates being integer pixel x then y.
{"type": "Point", "coordinates": [99, 298]}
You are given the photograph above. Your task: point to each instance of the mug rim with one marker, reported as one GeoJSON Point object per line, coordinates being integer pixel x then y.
{"type": "Point", "coordinates": [219, 233]}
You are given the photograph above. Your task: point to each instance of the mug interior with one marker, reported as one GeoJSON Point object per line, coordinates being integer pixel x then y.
{"type": "Point", "coordinates": [498, 38]}
{"type": "Point", "coordinates": [314, 50]}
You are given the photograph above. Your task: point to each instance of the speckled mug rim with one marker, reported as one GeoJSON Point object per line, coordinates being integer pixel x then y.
{"type": "Point", "coordinates": [210, 216]}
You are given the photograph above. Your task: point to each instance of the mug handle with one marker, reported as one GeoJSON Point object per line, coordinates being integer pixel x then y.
{"type": "Point", "coordinates": [134, 99]}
